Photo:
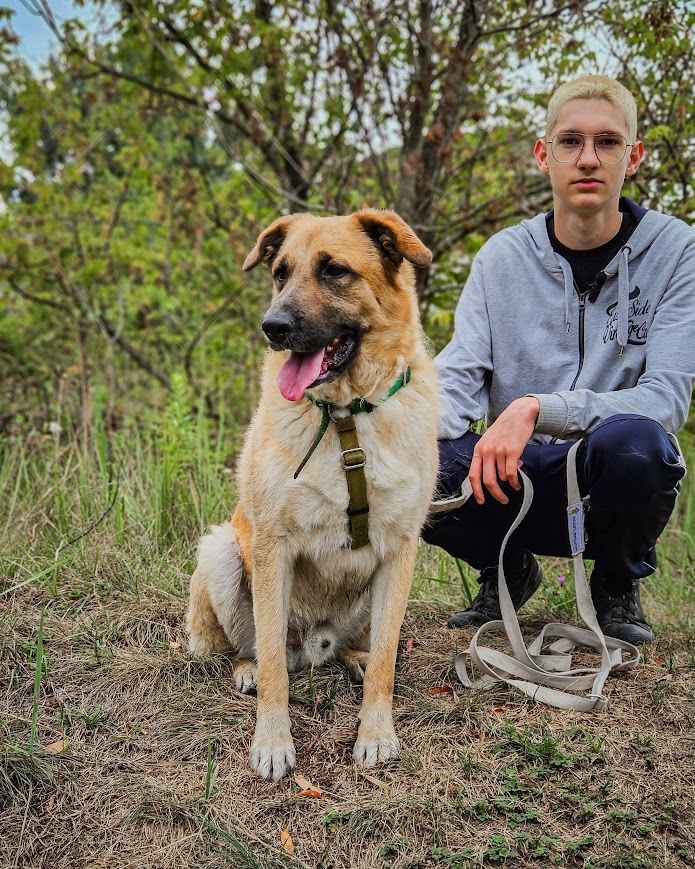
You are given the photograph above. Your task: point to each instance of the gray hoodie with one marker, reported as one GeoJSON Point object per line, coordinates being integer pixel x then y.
{"type": "Point", "coordinates": [521, 328]}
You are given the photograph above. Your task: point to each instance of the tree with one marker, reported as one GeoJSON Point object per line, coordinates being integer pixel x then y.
{"type": "Point", "coordinates": [305, 94]}
{"type": "Point", "coordinates": [146, 156]}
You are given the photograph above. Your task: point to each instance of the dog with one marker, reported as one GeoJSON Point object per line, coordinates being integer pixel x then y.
{"type": "Point", "coordinates": [292, 580]}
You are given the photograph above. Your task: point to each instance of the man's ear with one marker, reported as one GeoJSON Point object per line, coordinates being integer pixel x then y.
{"type": "Point", "coordinates": [634, 158]}
{"type": "Point", "coordinates": [540, 152]}
{"type": "Point", "coordinates": [393, 237]}
{"type": "Point", "coordinates": [269, 242]}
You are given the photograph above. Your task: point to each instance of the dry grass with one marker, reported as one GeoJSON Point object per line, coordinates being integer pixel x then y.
{"type": "Point", "coordinates": [141, 756]}
{"type": "Point", "coordinates": [118, 750]}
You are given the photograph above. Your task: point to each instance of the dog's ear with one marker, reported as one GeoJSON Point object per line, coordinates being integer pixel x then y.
{"type": "Point", "coordinates": [269, 242]}
{"type": "Point", "coordinates": [393, 237]}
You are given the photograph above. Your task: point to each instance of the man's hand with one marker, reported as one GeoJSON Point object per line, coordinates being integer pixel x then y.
{"type": "Point", "coordinates": [497, 453]}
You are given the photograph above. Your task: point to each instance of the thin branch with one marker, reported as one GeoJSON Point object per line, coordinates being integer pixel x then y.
{"type": "Point", "coordinates": [116, 216]}
{"type": "Point", "coordinates": [110, 330]}
{"type": "Point", "coordinates": [510, 28]}
{"type": "Point", "coordinates": [49, 303]}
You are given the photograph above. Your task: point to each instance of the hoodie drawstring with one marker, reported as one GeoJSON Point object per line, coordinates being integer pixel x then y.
{"type": "Point", "coordinates": [623, 297]}
{"type": "Point", "coordinates": [569, 293]}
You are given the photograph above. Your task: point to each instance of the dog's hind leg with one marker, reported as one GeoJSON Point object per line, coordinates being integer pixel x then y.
{"type": "Point", "coordinates": [355, 662]}
{"type": "Point", "coordinates": [220, 611]}
{"type": "Point", "coordinates": [355, 655]}
{"type": "Point", "coordinates": [205, 634]}
{"type": "Point", "coordinates": [245, 675]}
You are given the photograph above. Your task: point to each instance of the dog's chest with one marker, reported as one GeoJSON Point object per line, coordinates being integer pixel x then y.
{"type": "Point", "coordinates": [397, 488]}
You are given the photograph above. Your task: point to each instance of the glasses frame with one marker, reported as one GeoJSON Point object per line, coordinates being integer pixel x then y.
{"type": "Point", "coordinates": [584, 137]}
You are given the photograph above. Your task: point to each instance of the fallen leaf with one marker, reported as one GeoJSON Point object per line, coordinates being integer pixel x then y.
{"type": "Point", "coordinates": [308, 789]}
{"type": "Point", "coordinates": [442, 689]}
{"type": "Point", "coordinates": [286, 842]}
{"type": "Point", "coordinates": [55, 747]}
{"type": "Point", "coordinates": [302, 781]}
{"type": "Point", "coordinates": [409, 646]}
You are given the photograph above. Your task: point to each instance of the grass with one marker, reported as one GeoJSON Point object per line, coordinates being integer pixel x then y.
{"type": "Point", "coordinates": [117, 749]}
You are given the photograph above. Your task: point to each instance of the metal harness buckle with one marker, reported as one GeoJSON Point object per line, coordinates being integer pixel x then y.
{"type": "Point", "coordinates": [351, 466]}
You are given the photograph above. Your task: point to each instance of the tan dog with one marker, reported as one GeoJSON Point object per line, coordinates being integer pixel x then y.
{"type": "Point", "coordinates": [343, 324]}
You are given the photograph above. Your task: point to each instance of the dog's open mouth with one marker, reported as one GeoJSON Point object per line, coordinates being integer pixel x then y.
{"type": "Point", "coordinates": [304, 370]}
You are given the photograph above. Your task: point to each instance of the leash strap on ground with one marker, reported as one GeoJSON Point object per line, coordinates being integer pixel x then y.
{"type": "Point", "coordinates": [546, 676]}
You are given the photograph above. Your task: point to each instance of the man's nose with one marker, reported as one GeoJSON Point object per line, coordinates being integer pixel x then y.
{"type": "Point", "coordinates": [587, 156]}
{"type": "Point", "coordinates": [277, 325]}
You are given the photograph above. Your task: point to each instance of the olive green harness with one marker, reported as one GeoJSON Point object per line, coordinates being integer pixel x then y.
{"type": "Point", "coordinates": [354, 458]}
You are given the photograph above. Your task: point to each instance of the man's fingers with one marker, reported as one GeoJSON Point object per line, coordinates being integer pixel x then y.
{"type": "Point", "coordinates": [490, 479]}
{"type": "Point", "coordinates": [501, 461]}
{"type": "Point", "coordinates": [511, 472]}
{"type": "Point", "coordinates": [474, 478]}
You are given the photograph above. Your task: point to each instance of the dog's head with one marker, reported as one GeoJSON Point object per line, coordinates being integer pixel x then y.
{"type": "Point", "coordinates": [343, 301]}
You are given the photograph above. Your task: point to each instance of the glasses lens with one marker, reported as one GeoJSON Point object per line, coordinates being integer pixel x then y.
{"type": "Point", "coordinates": [610, 149]}
{"type": "Point", "coordinates": [567, 147]}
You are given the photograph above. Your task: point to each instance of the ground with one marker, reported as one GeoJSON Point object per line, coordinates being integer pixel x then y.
{"type": "Point", "coordinates": [119, 750]}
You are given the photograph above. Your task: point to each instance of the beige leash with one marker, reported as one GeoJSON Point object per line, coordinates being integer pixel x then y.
{"type": "Point", "coordinates": [546, 676]}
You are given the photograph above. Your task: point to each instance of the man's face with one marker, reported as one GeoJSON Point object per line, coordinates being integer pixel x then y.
{"type": "Point", "coordinates": [587, 184]}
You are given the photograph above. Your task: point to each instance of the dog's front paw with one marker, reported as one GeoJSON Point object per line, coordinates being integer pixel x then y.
{"type": "Point", "coordinates": [245, 676]}
{"type": "Point", "coordinates": [272, 751]}
{"type": "Point", "coordinates": [376, 741]}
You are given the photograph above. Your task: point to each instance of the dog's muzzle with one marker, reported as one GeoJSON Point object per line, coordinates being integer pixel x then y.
{"type": "Point", "coordinates": [279, 326]}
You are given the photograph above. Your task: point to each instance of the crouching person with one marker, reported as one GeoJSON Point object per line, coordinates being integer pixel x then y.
{"type": "Point", "coordinates": [576, 324]}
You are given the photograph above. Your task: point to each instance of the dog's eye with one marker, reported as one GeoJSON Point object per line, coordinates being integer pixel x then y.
{"type": "Point", "coordinates": [280, 275]}
{"type": "Point", "coordinates": [334, 270]}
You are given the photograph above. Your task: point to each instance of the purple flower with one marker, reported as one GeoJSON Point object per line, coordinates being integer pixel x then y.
{"type": "Point", "coordinates": [561, 579]}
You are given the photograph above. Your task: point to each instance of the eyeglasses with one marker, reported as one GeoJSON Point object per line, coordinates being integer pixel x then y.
{"type": "Point", "coordinates": [608, 147]}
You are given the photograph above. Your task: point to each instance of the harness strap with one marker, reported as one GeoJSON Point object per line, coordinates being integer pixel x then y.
{"type": "Point", "coordinates": [353, 464]}
{"type": "Point", "coordinates": [547, 678]}
{"type": "Point", "coordinates": [353, 455]}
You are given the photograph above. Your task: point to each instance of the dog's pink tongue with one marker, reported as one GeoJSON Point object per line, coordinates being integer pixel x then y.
{"type": "Point", "coordinates": [298, 372]}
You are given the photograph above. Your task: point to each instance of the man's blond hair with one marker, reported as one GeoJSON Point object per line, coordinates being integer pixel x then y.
{"type": "Point", "coordinates": [594, 87]}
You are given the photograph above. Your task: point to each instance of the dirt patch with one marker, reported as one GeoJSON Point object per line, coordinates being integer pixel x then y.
{"type": "Point", "coordinates": [140, 756]}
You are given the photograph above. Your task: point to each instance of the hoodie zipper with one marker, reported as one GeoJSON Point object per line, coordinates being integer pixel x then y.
{"type": "Point", "coordinates": [582, 308]}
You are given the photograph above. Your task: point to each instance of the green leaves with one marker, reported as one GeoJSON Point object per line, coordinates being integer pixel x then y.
{"type": "Point", "coordinates": [145, 155]}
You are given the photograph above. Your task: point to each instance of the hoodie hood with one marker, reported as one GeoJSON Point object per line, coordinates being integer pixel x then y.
{"type": "Point", "coordinates": [649, 227]}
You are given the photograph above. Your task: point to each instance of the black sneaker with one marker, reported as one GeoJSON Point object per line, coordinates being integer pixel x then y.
{"type": "Point", "coordinates": [521, 583]}
{"type": "Point", "coordinates": [619, 613]}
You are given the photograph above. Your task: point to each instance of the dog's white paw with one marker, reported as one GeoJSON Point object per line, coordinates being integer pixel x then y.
{"type": "Point", "coordinates": [375, 745]}
{"type": "Point", "coordinates": [245, 676]}
{"type": "Point", "coordinates": [272, 751]}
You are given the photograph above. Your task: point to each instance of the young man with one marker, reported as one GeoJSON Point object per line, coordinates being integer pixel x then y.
{"type": "Point", "coordinates": [577, 324]}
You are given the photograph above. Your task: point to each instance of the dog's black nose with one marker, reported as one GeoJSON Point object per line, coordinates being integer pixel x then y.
{"type": "Point", "coordinates": [325, 644]}
{"type": "Point", "coordinates": [278, 325]}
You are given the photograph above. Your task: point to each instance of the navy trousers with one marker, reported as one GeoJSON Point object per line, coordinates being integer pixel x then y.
{"type": "Point", "coordinates": [629, 473]}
